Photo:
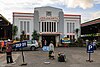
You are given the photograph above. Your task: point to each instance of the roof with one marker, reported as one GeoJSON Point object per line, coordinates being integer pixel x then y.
{"type": "Point", "coordinates": [71, 15]}
{"type": "Point", "coordinates": [48, 7]}
{"type": "Point", "coordinates": [21, 13]}
{"type": "Point", "coordinates": [95, 21]}
{"type": "Point", "coordinates": [4, 19]}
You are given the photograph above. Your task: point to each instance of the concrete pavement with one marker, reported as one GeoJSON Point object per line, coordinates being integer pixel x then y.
{"type": "Point", "coordinates": [3, 59]}
{"type": "Point", "coordinates": [76, 57]}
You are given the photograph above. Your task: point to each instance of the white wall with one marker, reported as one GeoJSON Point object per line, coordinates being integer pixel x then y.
{"type": "Point", "coordinates": [72, 19]}
{"type": "Point", "coordinates": [26, 17]}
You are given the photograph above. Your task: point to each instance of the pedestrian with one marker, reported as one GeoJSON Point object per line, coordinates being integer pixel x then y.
{"type": "Point", "coordinates": [61, 57]}
{"type": "Point", "coordinates": [94, 44]}
{"type": "Point", "coordinates": [52, 56]}
{"type": "Point", "coordinates": [9, 52]}
{"type": "Point", "coordinates": [2, 45]}
{"type": "Point", "coordinates": [45, 47]}
{"type": "Point", "coordinates": [51, 49]}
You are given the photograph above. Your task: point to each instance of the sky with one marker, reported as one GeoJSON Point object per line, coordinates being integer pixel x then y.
{"type": "Point", "coordinates": [88, 9]}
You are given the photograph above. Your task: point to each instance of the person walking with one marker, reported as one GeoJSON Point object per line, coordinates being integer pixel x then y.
{"type": "Point", "coordinates": [94, 44]}
{"type": "Point", "coordinates": [51, 46]}
{"type": "Point", "coordinates": [51, 50]}
{"type": "Point", "coordinates": [9, 52]}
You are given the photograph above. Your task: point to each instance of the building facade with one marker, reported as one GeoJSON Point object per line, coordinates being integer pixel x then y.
{"type": "Point", "coordinates": [91, 30]}
{"type": "Point", "coordinates": [5, 28]}
{"type": "Point", "coordinates": [50, 22]}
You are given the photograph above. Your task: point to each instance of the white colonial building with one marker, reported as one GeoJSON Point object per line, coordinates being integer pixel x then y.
{"type": "Point", "coordinates": [50, 22]}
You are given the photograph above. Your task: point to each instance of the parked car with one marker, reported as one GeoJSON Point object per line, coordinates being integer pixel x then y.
{"type": "Point", "coordinates": [31, 45]}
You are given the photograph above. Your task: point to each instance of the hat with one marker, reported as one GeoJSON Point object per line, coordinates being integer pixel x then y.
{"type": "Point", "coordinates": [51, 42]}
{"type": "Point", "coordinates": [8, 40]}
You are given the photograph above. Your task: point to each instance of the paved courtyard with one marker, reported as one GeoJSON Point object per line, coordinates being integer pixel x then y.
{"type": "Point", "coordinates": [76, 57]}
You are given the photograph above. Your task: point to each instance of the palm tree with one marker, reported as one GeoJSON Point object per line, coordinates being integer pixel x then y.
{"type": "Point", "coordinates": [14, 31]}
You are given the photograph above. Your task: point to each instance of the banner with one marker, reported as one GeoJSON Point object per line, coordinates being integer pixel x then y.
{"type": "Point", "coordinates": [65, 40]}
{"type": "Point", "coordinates": [20, 44]}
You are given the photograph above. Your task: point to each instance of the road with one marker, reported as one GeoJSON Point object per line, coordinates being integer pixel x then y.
{"type": "Point", "coordinates": [76, 57]}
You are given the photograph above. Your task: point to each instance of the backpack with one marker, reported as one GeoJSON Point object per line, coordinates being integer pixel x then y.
{"type": "Point", "coordinates": [61, 58]}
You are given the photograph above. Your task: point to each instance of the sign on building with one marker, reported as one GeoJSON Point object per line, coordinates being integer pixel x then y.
{"type": "Point", "coordinates": [65, 40]}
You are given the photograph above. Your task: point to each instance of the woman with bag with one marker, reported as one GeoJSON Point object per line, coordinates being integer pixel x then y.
{"type": "Point", "coordinates": [9, 52]}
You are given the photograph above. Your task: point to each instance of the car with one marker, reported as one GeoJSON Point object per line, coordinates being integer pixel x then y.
{"type": "Point", "coordinates": [31, 45]}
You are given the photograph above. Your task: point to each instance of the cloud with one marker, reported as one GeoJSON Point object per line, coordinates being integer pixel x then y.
{"type": "Point", "coordinates": [9, 6]}
{"type": "Point", "coordinates": [80, 3]}
{"type": "Point", "coordinates": [84, 4]}
{"type": "Point", "coordinates": [97, 1]}
{"type": "Point", "coordinates": [95, 15]}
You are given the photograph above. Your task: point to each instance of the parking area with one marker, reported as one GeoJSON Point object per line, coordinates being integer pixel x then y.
{"type": "Point", "coordinates": [76, 57]}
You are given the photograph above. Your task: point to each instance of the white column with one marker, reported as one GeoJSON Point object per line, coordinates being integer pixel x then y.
{"type": "Point", "coordinates": [56, 26]}
{"type": "Point", "coordinates": [69, 28]}
{"type": "Point", "coordinates": [40, 26]}
{"type": "Point", "coordinates": [26, 27]}
{"type": "Point", "coordinates": [22, 26]}
{"type": "Point", "coordinates": [69, 37]}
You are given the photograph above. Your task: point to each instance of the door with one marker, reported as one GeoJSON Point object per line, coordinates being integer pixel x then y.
{"type": "Point", "coordinates": [48, 40]}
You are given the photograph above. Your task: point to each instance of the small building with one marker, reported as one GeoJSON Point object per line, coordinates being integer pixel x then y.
{"type": "Point", "coordinates": [51, 23]}
{"type": "Point", "coordinates": [91, 30]}
{"type": "Point", "coordinates": [5, 28]}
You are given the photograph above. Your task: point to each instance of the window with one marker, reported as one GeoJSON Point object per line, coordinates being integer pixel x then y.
{"type": "Point", "coordinates": [73, 27]}
{"type": "Point", "coordinates": [43, 26]}
{"type": "Point", "coordinates": [27, 26]}
{"type": "Point", "coordinates": [49, 26]}
{"type": "Point", "coordinates": [24, 26]}
{"type": "Point", "coordinates": [21, 26]}
{"type": "Point", "coordinates": [48, 13]}
{"type": "Point", "coordinates": [67, 27]}
{"type": "Point", "coordinates": [54, 26]}
{"type": "Point", "coordinates": [67, 36]}
{"type": "Point", "coordinates": [70, 28]}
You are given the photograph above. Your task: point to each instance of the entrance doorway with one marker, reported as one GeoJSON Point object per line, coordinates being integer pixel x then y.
{"type": "Point", "coordinates": [48, 40]}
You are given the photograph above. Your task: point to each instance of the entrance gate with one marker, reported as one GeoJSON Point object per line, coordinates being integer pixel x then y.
{"type": "Point", "coordinates": [48, 40]}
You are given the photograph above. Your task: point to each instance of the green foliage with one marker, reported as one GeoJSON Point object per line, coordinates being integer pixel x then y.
{"type": "Point", "coordinates": [77, 30]}
{"type": "Point", "coordinates": [14, 31]}
{"type": "Point", "coordinates": [23, 36]}
{"type": "Point", "coordinates": [35, 35]}
{"type": "Point", "coordinates": [79, 42]}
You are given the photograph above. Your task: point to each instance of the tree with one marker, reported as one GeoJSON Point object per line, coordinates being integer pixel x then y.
{"type": "Point", "coordinates": [23, 36]}
{"type": "Point", "coordinates": [76, 31]}
{"type": "Point", "coordinates": [35, 35]}
{"type": "Point", "coordinates": [14, 31]}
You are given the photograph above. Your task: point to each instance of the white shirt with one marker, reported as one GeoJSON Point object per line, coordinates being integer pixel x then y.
{"type": "Point", "coordinates": [51, 47]}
